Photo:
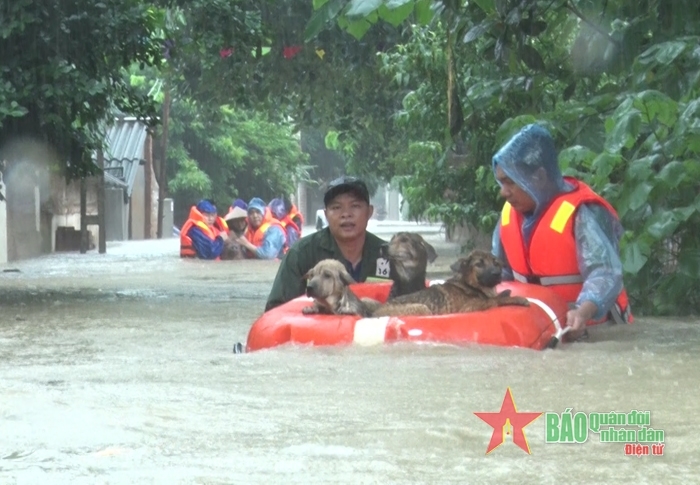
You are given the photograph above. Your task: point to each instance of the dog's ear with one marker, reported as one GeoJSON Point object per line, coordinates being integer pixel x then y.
{"type": "Point", "coordinates": [432, 254]}
{"type": "Point", "coordinates": [461, 265]}
{"type": "Point", "coordinates": [346, 278]}
{"type": "Point", "coordinates": [307, 275]}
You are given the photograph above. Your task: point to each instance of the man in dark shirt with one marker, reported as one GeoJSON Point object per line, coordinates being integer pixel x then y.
{"type": "Point", "coordinates": [346, 239]}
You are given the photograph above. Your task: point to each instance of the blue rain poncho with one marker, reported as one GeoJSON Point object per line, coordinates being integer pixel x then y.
{"type": "Point", "coordinates": [274, 240]}
{"type": "Point", "coordinates": [597, 231]}
{"type": "Point", "coordinates": [279, 211]}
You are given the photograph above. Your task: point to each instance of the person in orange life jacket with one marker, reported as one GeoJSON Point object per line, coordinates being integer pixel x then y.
{"type": "Point", "coordinates": [294, 214]}
{"type": "Point", "coordinates": [204, 234]}
{"type": "Point", "coordinates": [265, 237]}
{"type": "Point", "coordinates": [556, 231]}
{"type": "Point", "coordinates": [236, 218]}
{"type": "Point", "coordinates": [280, 212]}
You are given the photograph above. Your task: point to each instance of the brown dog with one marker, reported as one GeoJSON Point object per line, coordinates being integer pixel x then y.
{"type": "Point", "coordinates": [472, 289]}
{"type": "Point", "coordinates": [327, 283]}
{"type": "Point", "coordinates": [409, 255]}
{"type": "Point", "coordinates": [232, 250]}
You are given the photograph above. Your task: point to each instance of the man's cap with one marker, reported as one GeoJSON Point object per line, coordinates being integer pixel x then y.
{"type": "Point", "coordinates": [343, 185]}
{"type": "Point", "coordinates": [239, 203]}
{"type": "Point", "coordinates": [206, 206]}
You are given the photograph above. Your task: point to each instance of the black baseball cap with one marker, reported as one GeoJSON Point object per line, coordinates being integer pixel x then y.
{"type": "Point", "coordinates": [343, 185]}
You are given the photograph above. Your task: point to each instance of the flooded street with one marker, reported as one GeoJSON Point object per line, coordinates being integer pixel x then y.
{"type": "Point", "coordinates": [118, 368]}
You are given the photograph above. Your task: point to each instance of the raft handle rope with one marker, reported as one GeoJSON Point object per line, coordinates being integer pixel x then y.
{"type": "Point", "coordinates": [559, 331]}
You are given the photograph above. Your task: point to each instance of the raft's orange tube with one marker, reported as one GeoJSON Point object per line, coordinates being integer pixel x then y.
{"type": "Point", "coordinates": [510, 326]}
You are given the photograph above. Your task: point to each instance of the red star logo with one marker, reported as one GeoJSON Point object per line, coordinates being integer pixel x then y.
{"type": "Point", "coordinates": [508, 420]}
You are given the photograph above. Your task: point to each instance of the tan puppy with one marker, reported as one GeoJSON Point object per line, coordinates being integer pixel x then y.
{"type": "Point", "coordinates": [327, 283]}
{"type": "Point", "coordinates": [472, 289]}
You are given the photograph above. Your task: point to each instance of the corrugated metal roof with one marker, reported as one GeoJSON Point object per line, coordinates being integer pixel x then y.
{"type": "Point", "coordinates": [124, 152]}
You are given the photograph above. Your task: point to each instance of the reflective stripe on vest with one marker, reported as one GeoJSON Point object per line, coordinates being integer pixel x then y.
{"type": "Point", "coordinates": [505, 214]}
{"type": "Point", "coordinates": [571, 279]}
{"type": "Point", "coordinates": [562, 216]}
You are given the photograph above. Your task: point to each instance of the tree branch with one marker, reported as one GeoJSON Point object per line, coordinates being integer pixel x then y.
{"type": "Point", "coordinates": [656, 134]}
{"type": "Point", "coordinates": [573, 9]}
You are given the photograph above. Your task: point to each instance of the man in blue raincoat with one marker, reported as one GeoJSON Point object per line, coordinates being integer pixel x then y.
{"type": "Point", "coordinates": [555, 231]}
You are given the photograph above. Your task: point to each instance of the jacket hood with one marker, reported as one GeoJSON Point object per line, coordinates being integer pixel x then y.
{"type": "Point", "coordinates": [521, 158]}
{"type": "Point", "coordinates": [258, 204]}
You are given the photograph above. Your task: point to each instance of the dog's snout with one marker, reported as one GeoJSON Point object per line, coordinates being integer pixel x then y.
{"type": "Point", "coordinates": [494, 271]}
{"type": "Point", "coordinates": [384, 250]}
{"type": "Point", "coordinates": [310, 289]}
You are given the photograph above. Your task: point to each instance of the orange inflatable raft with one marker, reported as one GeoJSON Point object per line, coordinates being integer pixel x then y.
{"type": "Point", "coordinates": [537, 327]}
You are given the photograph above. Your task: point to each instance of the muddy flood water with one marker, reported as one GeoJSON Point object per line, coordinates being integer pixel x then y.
{"type": "Point", "coordinates": [118, 369]}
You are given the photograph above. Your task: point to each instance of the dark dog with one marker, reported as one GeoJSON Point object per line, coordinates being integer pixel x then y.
{"type": "Point", "coordinates": [327, 283]}
{"type": "Point", "coordinates": [409, 255]}
{"type": "Point", "coordinates": [232, 250]}
{"type": "Point", "coordinates": [472, 289]}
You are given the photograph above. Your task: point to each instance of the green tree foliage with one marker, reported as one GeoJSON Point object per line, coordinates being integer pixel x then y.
{"type": "Point", "coordinates": [62, 70]}
{"type": "Point", "coordinates": [240, 154]}
{"type": "Point", "coordinates": [616, 81]}
{"type": "Point", "coordinates": [326, 84]}
{"type": "Point", "coordinates": [226, 152]}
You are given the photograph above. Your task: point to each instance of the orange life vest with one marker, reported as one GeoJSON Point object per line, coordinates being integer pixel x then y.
{"type": "Point", "coordinates": [197, 219]}
{"type": "Point", "coordinates": [550, 257]}
{"type": "Point", "coordinates": [256, 236]}
{"type": "Point", "coordinates": [285, 223]}
{"type": "Point", "coordinates": [294, 212]}
{"type": "Point", "coordinates": [288, 221]}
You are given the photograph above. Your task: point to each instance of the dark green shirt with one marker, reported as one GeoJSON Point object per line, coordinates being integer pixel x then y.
{"type": "Point", "coordinates": [311, 249]}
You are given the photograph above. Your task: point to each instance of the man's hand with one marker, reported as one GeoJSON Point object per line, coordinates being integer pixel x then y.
{"type": "Point", "coordinates": [578, 317]}
{"type": "Point", "coordinates": [224, 236]}
{"type": "Point", "coordinates": [245, 243]}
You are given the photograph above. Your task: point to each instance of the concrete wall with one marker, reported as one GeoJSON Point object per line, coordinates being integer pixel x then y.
{"type": "Point", "coordinates": [116, 215]}
{"type": "Point", "coordinates": [3, 227]}
{"type": "Point", "coordinates": [301, 202]}
{"type": "Point", "coordinates": [168, 218]}
{"type": "Point", "coordinates": [138, 201]}
{"type": "Point", "coordinates": [27, 187]}
{"type": "Point", "coordinates": [393, 209]}
{"type": "Point", "coordinates": [72, 220]}
{"type": "Point", "coordinates": [154, 210]}
{"type": "Point", "coordinates": [388, 199]}
{"type": "Point", "coordinates": [65, 197]}
{"type": "Point", "coordinates": [139, 209]}
{"type": "Point", "coordinates": [314, 202]}
{"type": "Point", "coordinates": [39, 200]}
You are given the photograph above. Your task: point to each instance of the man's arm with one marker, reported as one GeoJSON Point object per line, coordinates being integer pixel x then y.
{"type": "Point", "coordinates": [203, 246]}
{"type": "Point", "coordinates": [288, 283]}
{"type": "Point", "coordinates": [272, 244]}
{"type": "Point", "coordinates": [597, 235]}
{"type": "Point", "coordinates": [498, 251]}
